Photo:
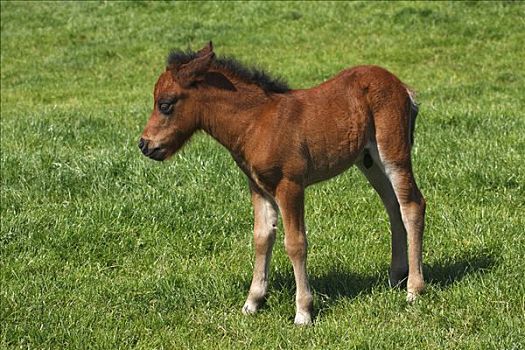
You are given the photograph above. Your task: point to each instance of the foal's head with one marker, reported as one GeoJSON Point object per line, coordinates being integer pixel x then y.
{"type": "Point", "coordinates": [175, 112]}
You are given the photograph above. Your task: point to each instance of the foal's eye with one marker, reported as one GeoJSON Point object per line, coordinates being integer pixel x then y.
{"type": "Point", "coordinates": [165, 108]}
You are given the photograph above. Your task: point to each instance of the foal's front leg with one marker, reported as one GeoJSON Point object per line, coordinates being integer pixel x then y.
{"type": "Point", "coordinates": [290, 198]}
{"type": "Point", "coordinates": [265, 226]}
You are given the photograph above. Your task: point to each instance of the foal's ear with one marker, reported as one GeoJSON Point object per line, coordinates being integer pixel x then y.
{"type": "Point", "coordinates": [208, 48]}
{"type": "Point", "coordinates": [193, 71]}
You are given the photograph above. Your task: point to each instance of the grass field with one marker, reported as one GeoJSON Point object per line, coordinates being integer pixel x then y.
{"type": "Point", "coordinates": [101, 247]}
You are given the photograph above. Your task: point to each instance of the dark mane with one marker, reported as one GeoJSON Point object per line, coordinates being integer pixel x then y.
{"type": "Point", "coordinates": [247, 74]}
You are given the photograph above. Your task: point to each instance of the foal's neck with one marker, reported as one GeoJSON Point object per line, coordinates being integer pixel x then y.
{"type": "Point", "coordinates": [228, 116]}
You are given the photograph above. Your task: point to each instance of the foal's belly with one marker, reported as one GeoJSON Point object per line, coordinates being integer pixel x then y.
{"type": "Point", "coordinates": [318, 175]}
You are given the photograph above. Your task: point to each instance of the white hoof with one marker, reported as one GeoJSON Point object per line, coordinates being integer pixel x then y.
{"type": "Point", "coordinates": [411, 297]}
{"type": "Point", "coordinates": [249, 308]}
{"type": "Point", "coordinates": [302, 319]}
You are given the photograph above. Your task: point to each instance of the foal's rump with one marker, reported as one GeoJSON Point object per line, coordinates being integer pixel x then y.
{"type": "Point", "coordinates": [393, 111]}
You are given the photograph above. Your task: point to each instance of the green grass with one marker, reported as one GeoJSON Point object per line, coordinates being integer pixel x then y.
{"type": "Point", "coordinates": [102, 248]}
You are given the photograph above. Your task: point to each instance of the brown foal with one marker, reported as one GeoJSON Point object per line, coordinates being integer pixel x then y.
{"type": "Point", "coordinates": [285, 140]}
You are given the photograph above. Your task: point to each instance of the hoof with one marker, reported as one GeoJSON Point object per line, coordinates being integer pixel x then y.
{"type": "Point", "coordinates": [249, 308]}
{"type": "Point", "coordinates": [302, 319]}
{"type": "Point", "coordinates": [411, 297]}
{"type": "Point", "coordinates": [414, 290]}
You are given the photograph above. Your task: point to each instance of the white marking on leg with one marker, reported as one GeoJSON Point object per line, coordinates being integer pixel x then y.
{"type": "Point", "coordinates": [265, 227]}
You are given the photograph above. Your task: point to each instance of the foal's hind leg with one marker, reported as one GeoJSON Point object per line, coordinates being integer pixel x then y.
{"type": "Point", "coordinates": [373, 172]}
{"type": "Point", "coordinates": [412, 207]}
{"type": "Point", "coordinates": [265, 225]}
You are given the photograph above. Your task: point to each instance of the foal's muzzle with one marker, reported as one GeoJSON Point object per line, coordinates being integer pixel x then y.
{"type": "Point", "coordinates": [156, 153]}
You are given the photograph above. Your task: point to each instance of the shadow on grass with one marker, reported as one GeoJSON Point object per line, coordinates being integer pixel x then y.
{"type": "Point", "coordinates": [329, 288]}
{"type": "Point", "coordinates": [338, 283]}
{"type": "Point", "coordinates": [443, 274]}
{"type": "Point", "coordinates": [334, 285]}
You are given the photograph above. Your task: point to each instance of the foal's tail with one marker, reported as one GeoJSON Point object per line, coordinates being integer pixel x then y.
{"type": "Point", "coordinates": [412, 113]}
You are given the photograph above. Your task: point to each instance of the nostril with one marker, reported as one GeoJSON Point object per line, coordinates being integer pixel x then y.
{"type": "Point", "coordinates": [141, 143]}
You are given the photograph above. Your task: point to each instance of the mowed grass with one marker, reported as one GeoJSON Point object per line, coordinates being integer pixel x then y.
{"type": "Point", "coordinates": [101, 247]}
